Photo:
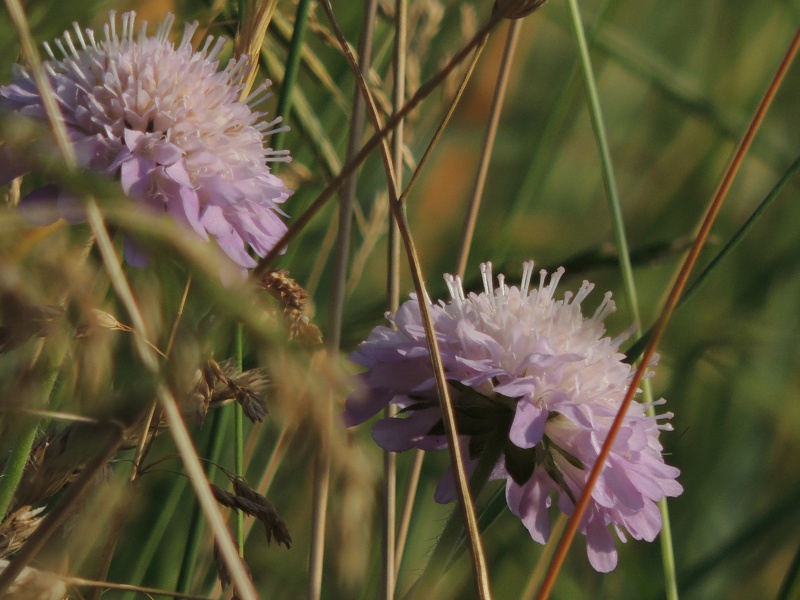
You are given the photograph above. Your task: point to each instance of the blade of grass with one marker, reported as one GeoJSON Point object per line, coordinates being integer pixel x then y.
{"type": "Point", "coordinates": [220, 421]}
{"type": "Point", "coordinates": [447, 546]}
{"type": "Point", "coordinates": [612, 195]}
{"type": "Point", "coordinates": [155, 534]}
{"type": "Point", "coordinates": [542, 159]}
{"type": "Point", "coordinates": [19, 455]}
{"type": "Point", "coordinates": [666, 313]}
{"type": "Point", "coordinates": [292, 67]}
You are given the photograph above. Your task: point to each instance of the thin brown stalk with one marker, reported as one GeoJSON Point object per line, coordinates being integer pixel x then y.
{"type": "Point", "coordinates": [372, 233]}
{"type": "Point", "coordinates": [488, 145]}
{"type": "Point", "coordinates": [109, 585]}
{"type": "Point", "coordinates": [446, 119]}
{"type": "Point", "coordinates": [142, 448]}
{"type": "Point", "coordinates": [480, 569]}
{"type": "Point", "coordinates": [55, 415]}
{"type": "Point", "coordinates": [46, 93]}
{"type": "Point", "coordinates": [666, 313]}
{"type": "Point", "coordinates": [178, 315]}
{"type": "Point", "coordinates": [412, 482]}
{"type": "Point", "coordinates": [389, 507]}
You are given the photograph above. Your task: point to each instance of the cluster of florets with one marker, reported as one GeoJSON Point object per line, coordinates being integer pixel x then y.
{"type": "Point", "coordinates": [521, 359]}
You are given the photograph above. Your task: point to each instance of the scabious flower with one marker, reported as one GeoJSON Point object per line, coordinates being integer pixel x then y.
{"type": "Point", "coordinates": [169, 125]}
{"type": "Point", "coordinates": [520, 360]}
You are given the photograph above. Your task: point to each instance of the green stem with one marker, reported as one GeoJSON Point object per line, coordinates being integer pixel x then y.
{"type": "Point", "coordinates": [16, 465]}
{"type": "Point", "coordinates": [12, 474]}
{"type": "Point", "coordinates": [238, 438]}
{"type": "Point", "coordinates": [609, 181]}
{"type": "Point", "coordinates": [292, 67]}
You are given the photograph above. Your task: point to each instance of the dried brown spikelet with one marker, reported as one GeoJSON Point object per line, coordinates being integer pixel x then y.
{"type": "Point", "coordinates": [17, 527]}
{"type": "Point", "coordinates": [252, 503]}
{"type": "Point", "coordinates": [222, 383]}
{"type": "Point", "coordinates": [294, 301]}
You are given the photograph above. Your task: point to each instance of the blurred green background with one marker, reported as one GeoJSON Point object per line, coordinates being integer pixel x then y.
{"type": "Point", "coordinates": [678, 83]}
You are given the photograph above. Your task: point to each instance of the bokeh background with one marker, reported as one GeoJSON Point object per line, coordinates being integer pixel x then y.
{"type": "Point", "coordinates": [678, 83]}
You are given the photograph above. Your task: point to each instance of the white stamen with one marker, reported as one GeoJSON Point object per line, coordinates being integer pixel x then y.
{"type": "Point", "coordinates": [452, 286]}
{"type": "Point", "coordinates": [258, 95]}
{"type": "Point", "coordinates": [78, 33]}
{"type": "Point", "coordinates": [113, 23]}
{"type": "Point", "coordinates": [90, 35]}
{"type": "Point", "coordinates": [49, 51]}
{"type": "Point", "coordinates": [218, 46]}
{"type": "Point", "coordinates": [606, 307]}
{"type": "Point", "coordinates": [586, 288]}
{"type": "Point", "coordinates": [554, 279]}
{"type": "Point", "coordinates": [488, 284]}
{"type": "Point", "coordinates": [527, 272]}
{"type": "Point", "coordinates": [60, 46]}
{"type": "Point", "coordinates": [73, 50]}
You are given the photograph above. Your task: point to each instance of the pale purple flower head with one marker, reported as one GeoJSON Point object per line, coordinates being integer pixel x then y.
{"type": "Point", "coordinates": [169, 124]}
{"type": "Point", "coordinates": [519, 358]}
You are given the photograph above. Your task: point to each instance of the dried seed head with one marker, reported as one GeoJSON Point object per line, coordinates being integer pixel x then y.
{"type": "Point", "coordinates": [254, 504]}
{"type": "Point", "coordinates": [17, 527]}
{"type": "Point", "coordinates": [294, 302]}
{"type": "Point", "coordinates": [247, 388]}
